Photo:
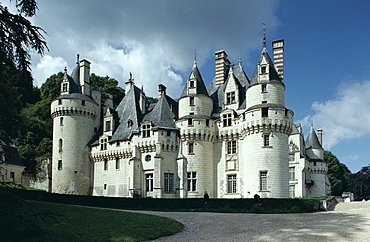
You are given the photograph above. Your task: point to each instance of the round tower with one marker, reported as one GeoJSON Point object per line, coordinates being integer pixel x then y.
{"type": "Point", "coordinates": [76, 119]}
{"type": "Point", "coordinates": [197, 134]}
{"type": "Point", "coordinates": [267, 127]}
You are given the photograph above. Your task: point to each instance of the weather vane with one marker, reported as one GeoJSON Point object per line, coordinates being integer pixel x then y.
{"type": "Point", "coordinates": [264, 33]}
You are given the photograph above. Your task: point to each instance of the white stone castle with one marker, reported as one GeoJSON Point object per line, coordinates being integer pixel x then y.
{"type": "Point", "coordinates": [233, 139]}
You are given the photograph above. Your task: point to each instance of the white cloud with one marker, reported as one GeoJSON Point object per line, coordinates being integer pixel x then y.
{"type": "Point", "coordinates": [346, 116]}
{"type": "Point", "coordinates": [46, 67]}
{"type": "Point", "coordinates": [155, 40]}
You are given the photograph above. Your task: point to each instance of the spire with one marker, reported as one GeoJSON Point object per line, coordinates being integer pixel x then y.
{"type": "Point", "coordinates": [312, 141]}
{"type": "Point", "coordinates": [264, 34]}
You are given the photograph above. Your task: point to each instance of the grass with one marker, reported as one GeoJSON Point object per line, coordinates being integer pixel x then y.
{"type": "Point", "coordinates": [17, 186]}
{"type": "Point", "coordinates": [41, 221]}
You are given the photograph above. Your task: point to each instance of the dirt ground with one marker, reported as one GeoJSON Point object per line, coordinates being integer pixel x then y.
{"type": "Point", "coordinates": [348, 222]}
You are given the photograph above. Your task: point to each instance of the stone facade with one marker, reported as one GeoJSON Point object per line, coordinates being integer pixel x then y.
{"type": "Point", "coordinates": [233, 139]}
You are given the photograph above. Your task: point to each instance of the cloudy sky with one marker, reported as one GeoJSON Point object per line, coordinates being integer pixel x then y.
{"type": "Point", "coordinates": [327, 52]}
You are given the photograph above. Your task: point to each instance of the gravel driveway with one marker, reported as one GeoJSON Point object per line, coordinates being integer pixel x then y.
{"type": "Point", "coordinates": [348, 222]}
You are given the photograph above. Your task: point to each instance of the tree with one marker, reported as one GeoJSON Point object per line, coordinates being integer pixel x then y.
{"type": "Point", "coordinates": [107, 85]}
{"type": "Point", "coordinates": [360, 183]}
{"type": "Point", "coordinates": [17, 37]}
{"type": "Point", "coordinates": [338, 174]}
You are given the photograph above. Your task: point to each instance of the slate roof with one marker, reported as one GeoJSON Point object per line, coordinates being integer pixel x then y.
{"type": "Point", "coordinates": [11, 154]}
{"type": "Point", "coordinates": [273, 75]}
{"type": "Point", "coordinates": [312, 141]}
{"type": "Point", "coordinates": [162, 115]}
{"type": "Point", "coordinates": [217, 92]}
{"type": "Point", "coordinates": [200, 87]}
{"type": "Point", "coordinates": [127, 110]}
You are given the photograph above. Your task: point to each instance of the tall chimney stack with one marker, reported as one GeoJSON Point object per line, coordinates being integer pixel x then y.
{"type": "Point", "coordinates": [222, 67]}
{"type": "Point", "coordinates": [319, 134]}
{"type": "Point", "coordinates": [161, 90]}
{"type": "Point", "coordinates": [278, 49]}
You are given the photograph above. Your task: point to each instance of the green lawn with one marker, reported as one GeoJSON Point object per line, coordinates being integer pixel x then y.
{"type": "Point", "coordinates": [72, 223]}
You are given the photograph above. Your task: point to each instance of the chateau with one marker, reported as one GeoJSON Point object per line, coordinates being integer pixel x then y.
{"type": "Point", "coordinates": [233, 139]}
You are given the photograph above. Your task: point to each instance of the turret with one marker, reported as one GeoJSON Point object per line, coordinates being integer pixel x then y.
{"type": "Point", "coordinates": [194, 99]}
{"type": "Point", "coordinates": [75, 121]}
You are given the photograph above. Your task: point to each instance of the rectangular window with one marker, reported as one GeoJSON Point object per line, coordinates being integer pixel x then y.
{"type": "Point", "coordinates": [191, 148]}
{"type": "Point", "coordinates": [291, 157]}
{"type": "Point", "coordinates": [264, 87]}
{"type": "Point", "coordinates": [168, 182]}
{"type": "Point", "coordinates": [265, 112]}
{"type": "Point", "coordinates": [105, 186]}
{"type": "Point", "coordinates": [231, 184]}
{"type": "Point", "coordinates": [60, 165]}
{"type": "Point", "coordinates": [59, 101]}
{"type": "Point", "coordinates": [263, 69]}
{"type": "Point", "coordinates": [60, 145]}
{"type": "Point", "coordinates": [190, 121]}
{"type": "Point", "coordinates": [146, 130]}
{"type": "Point", "coordinates": [149, 182]}
{"type": "Point", "coordinates": [105, 164]}
{"type": "Point", "coordinates": [263, 180]}
{"type": "Point", "coordinates": [191, 83]}
{"type": "Point", "coordinates": [231, 147]}
{"type": "Point", "coordinates": [65, 87]}
{"type": "Point", "coordinates": [227, 119]}
{"type": "Point", "coordinates": [117, 163]}
{"type": "Point", "coordinates": [191, 101]}
{"type": "Point", "coordinates": [107, 125]}
{"type": "Point", "coordinates": [207, 122]}
{"type": "Point", "coordinates": [266, 140]}
{"type": "Point", "coordinates": [83, 102]}
{"type": "Point", "coordinates": [12, 175]}
{"type": "Point", "coordinates": [292, 173]}
{"type": "Point", "coordinates": [230, 98]}
{"type": "Point", "coordinates": [168, 133]}
{"type": "Point", "coordinates": [103, 144]}
{"type": "Point", "coordinates": [192, 181]}
{"type": "Point", "coordinates": [61, 121]}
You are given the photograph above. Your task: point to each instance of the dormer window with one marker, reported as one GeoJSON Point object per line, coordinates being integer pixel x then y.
{"type": "Point", "coordinates": [65, 87]}
{"type": "Point", "coordinates": [191, 83]}
{"type": "Point", "coordinates": [103, 144]}
{"type": "Point", "coordinates": [263, 70]}
{"type": "Point", "coordinates": [230, 98]}
{"type": "Point", "coordinates": [227, 119]}
{"type": "Point", "coordinates": [146, 130]}
{"type": "Point", "coordinates": [108, 125]}
{"type": "Point", "coordinates": [129, 123]}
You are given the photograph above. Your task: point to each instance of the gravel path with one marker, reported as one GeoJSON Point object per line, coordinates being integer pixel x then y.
{"type": "Point", "coordinates": [348, 222]}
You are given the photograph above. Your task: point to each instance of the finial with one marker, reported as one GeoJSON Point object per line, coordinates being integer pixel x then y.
{"type": "Point", "coordinates": [65, 69]}
{"type": "Point", "coordinates": [78, 58]}
{"type": "Point", "coordinates": [195, 56]}
{"type": "Point", "coordinates": [240, 61]}
{"type": "Point", "coordinates": [142, 88]}
{"type": "Point", "coordinates": [311, 123]}
{"type": "Point", "coordinates": [130, 76]}
{"type": "Point", "coordinates": [264, 34]}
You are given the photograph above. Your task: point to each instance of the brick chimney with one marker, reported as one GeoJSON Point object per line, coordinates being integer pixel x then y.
{"type": "Point", "coordinates": [278, 49]}
{"type": "Point", "coordinates": [319, 135]}
{"type": "Point", "coordinates": [222, 67]}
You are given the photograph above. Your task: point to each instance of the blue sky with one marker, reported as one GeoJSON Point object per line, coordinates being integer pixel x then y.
{"type": "Point", "coordinates": [327, 52]}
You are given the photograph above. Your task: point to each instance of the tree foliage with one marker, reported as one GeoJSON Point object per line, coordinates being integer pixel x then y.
{"type": "Point", "coordinates": [17, 37]}
{"type": "Point", "coordinates": [360, 183]}
{"type": "Point", "coordinates": [107, 85]}
{"type": "Point", "coordinates": [338, 174]}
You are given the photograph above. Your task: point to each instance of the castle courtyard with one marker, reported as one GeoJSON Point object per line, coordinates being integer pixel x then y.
{"type": "Point", "coordinates": [348, 222]}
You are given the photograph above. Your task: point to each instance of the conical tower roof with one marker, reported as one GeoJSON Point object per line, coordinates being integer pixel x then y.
{"type": "Point", "coordinates": [199, 86]}
{"type": "Point", "coordinates": [312, 142]}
